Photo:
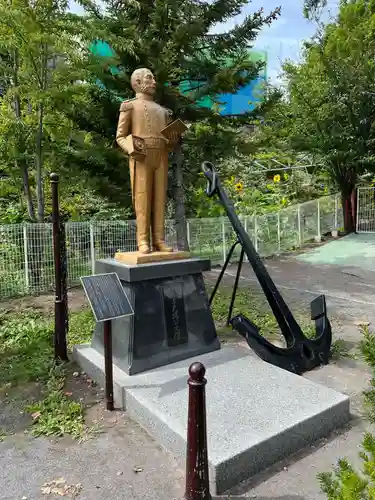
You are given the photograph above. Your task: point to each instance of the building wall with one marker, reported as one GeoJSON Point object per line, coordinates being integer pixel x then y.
{"type": "Point", "coordinates": [245, 100]}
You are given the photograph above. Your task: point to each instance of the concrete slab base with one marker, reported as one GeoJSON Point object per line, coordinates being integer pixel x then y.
{"type": "Point", "coordinates": [257, 414]}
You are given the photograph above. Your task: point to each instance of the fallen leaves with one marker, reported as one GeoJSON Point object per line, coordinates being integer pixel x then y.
{"type": "Point", "coordinates": [60, 488]}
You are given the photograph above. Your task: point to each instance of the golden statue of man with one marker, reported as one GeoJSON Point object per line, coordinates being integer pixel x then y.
{"type": "Point", "coordinates": [142, 120]}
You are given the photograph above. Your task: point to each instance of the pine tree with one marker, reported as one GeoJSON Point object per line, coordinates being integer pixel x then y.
{"type": "Point", "coordinates": [180, 41]}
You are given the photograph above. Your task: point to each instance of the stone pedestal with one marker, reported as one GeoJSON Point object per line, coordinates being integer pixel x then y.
{"type": "Point", "coordinates": [172, 319]}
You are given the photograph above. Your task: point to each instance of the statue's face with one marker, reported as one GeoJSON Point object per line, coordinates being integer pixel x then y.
{"type": "Point", "coordinates": [147, 83]}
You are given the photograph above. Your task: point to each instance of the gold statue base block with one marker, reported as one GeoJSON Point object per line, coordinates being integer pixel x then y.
{"type": "Point", "coordinates": [135, 258]}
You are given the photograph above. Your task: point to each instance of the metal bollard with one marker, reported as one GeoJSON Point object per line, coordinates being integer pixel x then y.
{"type": "Point", "coordinates": [197, 479]}
{"type": "Point", "coordinates": [59, 253]}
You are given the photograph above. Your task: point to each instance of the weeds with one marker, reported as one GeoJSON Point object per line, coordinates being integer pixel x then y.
{"type": "Point", "coordinates": [345, 482]}
{"type": "Point", "coordinates": [26, 355]}
{"type": "Point", "coordinates": [340, 350]}
{"type": "Point", "coordinates": [25, 348]}
{"type": "Point", "coordinates": [56, 414]}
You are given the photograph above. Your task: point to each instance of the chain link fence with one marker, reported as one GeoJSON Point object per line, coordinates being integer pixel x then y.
{"type": "Point", "coordinates": [26, 250]}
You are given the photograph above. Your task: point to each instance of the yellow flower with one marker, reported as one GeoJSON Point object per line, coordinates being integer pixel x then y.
{"type": "Point", "coordinates": [239, 186]}
{"type": "Point", "coordinates": [277, 178]}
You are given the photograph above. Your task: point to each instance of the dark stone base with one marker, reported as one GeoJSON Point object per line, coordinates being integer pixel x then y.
{"type": "Point", "coordinates": [172, 319]}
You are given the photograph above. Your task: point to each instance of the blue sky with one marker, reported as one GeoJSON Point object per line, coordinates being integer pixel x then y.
{"type": "Point", "coordinates": [283, 39]}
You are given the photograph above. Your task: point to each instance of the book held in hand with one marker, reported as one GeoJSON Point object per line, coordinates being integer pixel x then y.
{"type": "Point", "coordinates": [177, 127]}
{"type": "Point", "coordinates": [135, 146]}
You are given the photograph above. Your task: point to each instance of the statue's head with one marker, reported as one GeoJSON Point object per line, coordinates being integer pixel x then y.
{"type": "Point", "coordinates": [143, 81]}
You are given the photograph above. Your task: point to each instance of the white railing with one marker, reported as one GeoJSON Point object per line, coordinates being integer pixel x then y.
{"type": "Point", "coordinates": [26, 258]}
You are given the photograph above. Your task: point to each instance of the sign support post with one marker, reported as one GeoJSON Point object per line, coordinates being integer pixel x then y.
{"type": "Point", "coordinates": [108, 301]}
{"type": "Point", "coordinates": [108, 364]}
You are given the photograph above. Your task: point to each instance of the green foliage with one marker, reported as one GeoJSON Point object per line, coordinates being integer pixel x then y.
{"type": "Point", "coordinates": [367, 347]}
{"type": "Point", "coordinates": [345, 483]}
{"type": "Point", "coordinates": [44, 59]}
{"type": "Point", "coordinates": [81, 326]}
{"type": "Point", "coordinates": [257, 193]}
{"type": "Point", "coordinates": [26, 344]}
{"type": "Point", "coordinates": [329, 106]}
{"type": "Point", "coordinates": [25, 348]}
{"type": "Point", "coordinates": [311, 8]}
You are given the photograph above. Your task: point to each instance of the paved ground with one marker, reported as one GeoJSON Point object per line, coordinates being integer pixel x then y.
{"type": "Point", "coordinates": [106, 466]}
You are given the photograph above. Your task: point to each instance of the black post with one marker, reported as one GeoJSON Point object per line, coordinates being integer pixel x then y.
{"type": "Point", "coordinates": [235, 287]}
{"type": "Point", "coordinates": [197, 479]}
{"type": "Point", "coordinates": [108, 365]}
{"type": "Point", "coordinates": [59, 253]}
{"type": "Point", "coordinates": [222, 272]}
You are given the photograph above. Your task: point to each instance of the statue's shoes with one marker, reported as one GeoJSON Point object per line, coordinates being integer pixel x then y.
{"type": "Point", "coordinates": [144, 248]}
{"type": "Point", "coordinates": [162, 247]}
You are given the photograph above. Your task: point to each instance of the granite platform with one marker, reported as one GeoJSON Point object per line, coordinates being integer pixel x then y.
{"type": "Point", "coordinates": [257, 413]}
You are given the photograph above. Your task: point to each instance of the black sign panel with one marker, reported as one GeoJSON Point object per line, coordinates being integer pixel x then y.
{"type": "Point", "coordinates": [106, 296]}
{"type": "Point", "coordinates": [175, 317]}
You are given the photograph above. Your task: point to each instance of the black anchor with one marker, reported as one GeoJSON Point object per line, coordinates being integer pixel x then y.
{"type": "Point", "coordinates": [301, 354]}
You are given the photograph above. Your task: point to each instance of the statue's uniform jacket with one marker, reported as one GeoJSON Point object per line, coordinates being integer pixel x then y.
{"type": "Point", "coordinates": [149, 176]}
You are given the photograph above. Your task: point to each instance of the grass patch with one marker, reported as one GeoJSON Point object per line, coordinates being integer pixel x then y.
{"type": "Point", "coordinates": [56, 414]}
{"type": "Point", "coordinates": [254, 308]}
{"type": "Point", "coordinates": [81, 326]}
{"type": "Point", "coordinates": [27, 355]}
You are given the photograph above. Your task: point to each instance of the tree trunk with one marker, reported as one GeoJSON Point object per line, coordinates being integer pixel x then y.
{"type": "Point", "coordinates": [39, 165]}
{"type": "Point", "coordinates": [22, 164]}
{"type": "Point", "coordinates": [27, 190]}
{"type": "Point", "coordinates": [179, 199]}
{"type": "Point", "coordinates": [349, 221]}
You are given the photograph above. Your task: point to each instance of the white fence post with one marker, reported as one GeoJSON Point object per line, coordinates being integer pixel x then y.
{"type": "Point", "coordinates": [26, 256]}
{"type": "Point", "coordinates": [336, 213]}
{"type": "Point", "coordinates": [299, 225]}
{"type": "Point", "coordinates": [92, 249]}
{"type": "Point", "coordinates": [357, 209]}
{"type": "Point", "coordinates": [256, 232]}
{"type": "Point", "coordinates": [318, 237]}
{"type": "Point", "coordinates": [278, 232]}
{"type": "Point", "coordinates": [188, 232]}
{"type": "Point", "coordinates": [224, 242]}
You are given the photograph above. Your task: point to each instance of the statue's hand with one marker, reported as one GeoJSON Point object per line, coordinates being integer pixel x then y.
{"type": "Point", "coordinates": [174, 138]}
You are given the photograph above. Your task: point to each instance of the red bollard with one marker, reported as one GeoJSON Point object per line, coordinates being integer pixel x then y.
{"type": "Point", "coordinates": [197, 480]}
